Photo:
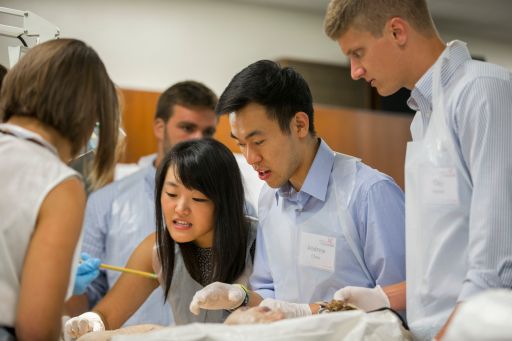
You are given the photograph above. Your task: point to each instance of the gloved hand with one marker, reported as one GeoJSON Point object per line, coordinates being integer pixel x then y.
{"type": "Point", "coordinates": [217, 296]}
{"type": "Point", "coordinates": [63, 335]}
{"type": "Point", "coordinates": [83, 324]}
{"type": "Point", "coordinates": [365, 298]}
{"type": "Point", "coordinates": [290, 310]}
{"type": "Point", "coordinates": [87, 272]}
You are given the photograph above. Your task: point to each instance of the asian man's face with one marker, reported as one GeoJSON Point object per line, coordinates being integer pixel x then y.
{"type": "Point", "coordinates": [275, 155]}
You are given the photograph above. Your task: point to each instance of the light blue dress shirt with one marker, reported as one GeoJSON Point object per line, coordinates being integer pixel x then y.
{"type": "Point", "coordinates": [478, 104]}
{"type": "Point", "coordinates": [376, 207]}
{"type": "Point", "coordinates": [117, 218]}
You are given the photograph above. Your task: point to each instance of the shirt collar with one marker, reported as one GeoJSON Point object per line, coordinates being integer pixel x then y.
{"type": "Point", "coordinates": [317, 179]}
{"type": "Point", "coordinates": [454, 54]}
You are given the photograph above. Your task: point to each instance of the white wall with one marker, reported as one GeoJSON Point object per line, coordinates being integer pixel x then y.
{"type": "Point", "coordinates": [151, 44]}
{"type": "Point", "coordinates": [154, 43]}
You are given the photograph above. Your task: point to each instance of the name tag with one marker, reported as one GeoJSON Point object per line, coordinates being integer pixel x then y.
{"type": "Point", "coordinates": [439, 186]}
{"type": "Point", "coordinates": [317, 251]}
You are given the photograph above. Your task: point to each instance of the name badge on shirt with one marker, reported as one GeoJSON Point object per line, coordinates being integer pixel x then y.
{"type": "Point", "coordinates": [439, 186]}
{"type": "Point", "coordinates": [317, 251]}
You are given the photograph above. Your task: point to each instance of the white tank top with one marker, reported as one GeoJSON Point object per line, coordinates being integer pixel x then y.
{"type": "Point", "coordinates": [29, 170]}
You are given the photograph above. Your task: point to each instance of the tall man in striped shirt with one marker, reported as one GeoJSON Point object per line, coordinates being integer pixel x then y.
{"type": "Point", "coordinates": [459, 164]}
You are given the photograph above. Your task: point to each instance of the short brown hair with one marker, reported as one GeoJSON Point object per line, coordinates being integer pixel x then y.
{"type": "Point", "coordinates": [372, 15]}
{"type": "Point", "coordinates": [64, 84]}
{"type": "Point", "coordinates": [189, 94]}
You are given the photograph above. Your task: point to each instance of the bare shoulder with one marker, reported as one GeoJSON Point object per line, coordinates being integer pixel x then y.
{"type": "Point", "coordinates": [67, 195]}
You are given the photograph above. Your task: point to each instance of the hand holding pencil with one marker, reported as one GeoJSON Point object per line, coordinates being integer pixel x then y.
{"type": "Point", "coordinates": [87, 271]}
{"type": "Point", "coordinates": [89, 267]}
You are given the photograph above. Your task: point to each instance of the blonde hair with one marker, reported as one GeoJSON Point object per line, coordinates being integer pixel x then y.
{"type": "Point", "coordinates": [372, 15]}
{"type": "Point", "coordinates": [64, 84]}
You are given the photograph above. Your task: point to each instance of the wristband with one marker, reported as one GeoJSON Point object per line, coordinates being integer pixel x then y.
{"type": "Point", "coordinates": [246, 297]}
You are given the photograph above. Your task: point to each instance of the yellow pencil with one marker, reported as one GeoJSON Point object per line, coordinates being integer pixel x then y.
{"type": "Point", "coordinates": [127, 270]}
{"type": "Point", "coordinates": [130, 271]}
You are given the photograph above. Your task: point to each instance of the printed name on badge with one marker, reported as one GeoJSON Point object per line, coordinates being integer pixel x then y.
{"type": "Point", "coordinates": [317, 251]}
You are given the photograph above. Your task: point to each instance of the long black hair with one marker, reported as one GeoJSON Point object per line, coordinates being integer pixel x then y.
{"type": "Point", "coordinates": [209, 167]}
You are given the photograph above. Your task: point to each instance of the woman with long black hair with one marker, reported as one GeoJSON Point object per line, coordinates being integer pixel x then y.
{"type": "Point", "coordinates": [202, 236]}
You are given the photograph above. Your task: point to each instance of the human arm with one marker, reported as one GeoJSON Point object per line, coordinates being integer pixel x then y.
{"type": "Point", "coordinates": [483, 127]}
{"type": "Point", "coordinates": [381, 225]}
{"type": "Point", "coordinates": [396, 294]}
{"type": "Point", "coordinates": [45, 275]}
{"type": "Point", "coordinates": [122, 300]}
{"type": "Point", "coordinates": [95, 228]}
{"type": "Point", "coordinates": [261, 281]}
{"type": "Point", "coordinates": [378, 212]}
{"type": "Point", "coordinates": [443, 330]}
{"type": "Point", "coordinates": [88, 270]}
{"type": "Point", "coordinates": [379, 215]}
{"type": "Point", "coordinates": [97, 224]}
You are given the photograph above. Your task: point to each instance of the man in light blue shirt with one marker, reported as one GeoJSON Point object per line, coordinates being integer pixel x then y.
{"type": "Point", "coordinates": [458, 166]}
{"type": "Point", "coordinates": [326, 219]}
{"type": "Point", "coordinates": [120, 215]}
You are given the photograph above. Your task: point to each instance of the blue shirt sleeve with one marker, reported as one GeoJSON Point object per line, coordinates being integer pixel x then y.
{"type": "Point", "coordinates": [95, 230]}
{"type": "Point", "coordinates": [261, 279]}
{"type": "Point", "coordinates": [381, 226]}
{"type": "Point", "coordinates": [97, 289]}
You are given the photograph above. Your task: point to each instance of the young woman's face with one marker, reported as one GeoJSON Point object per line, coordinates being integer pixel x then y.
{"type": "Point", "coordinates": [188, 213]}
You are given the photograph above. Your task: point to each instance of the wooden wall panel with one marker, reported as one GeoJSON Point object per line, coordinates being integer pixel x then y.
{"type": "Point", "coordinates": [138, 113]}
{"type": "Point", "coordinates": [378, 138]}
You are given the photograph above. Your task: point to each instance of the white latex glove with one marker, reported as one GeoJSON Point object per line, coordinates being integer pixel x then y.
{"type": "Point", "coordinates": [217, 296]}
{"type": "Point", "coordinates": [63, 335]}
{"type": "Point", "coordinates": [83, 324]}
{"type": "Point", "coordinates": [290, 310]}
{"type": "Point", "coordinates": [364, 298]}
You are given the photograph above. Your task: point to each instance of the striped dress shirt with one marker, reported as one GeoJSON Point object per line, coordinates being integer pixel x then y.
{"type": "Point", "coordinates": [479, 118]}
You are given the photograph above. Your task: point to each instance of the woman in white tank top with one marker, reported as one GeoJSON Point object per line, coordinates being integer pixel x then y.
{"type": "Point", "coordinates": [49, 105]}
